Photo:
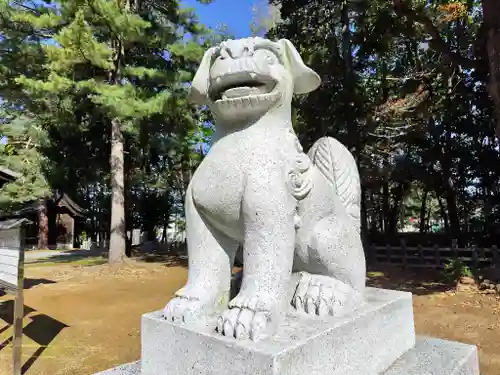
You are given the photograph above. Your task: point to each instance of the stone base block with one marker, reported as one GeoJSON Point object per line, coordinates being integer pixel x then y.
{"type": "Point", "coordinates": [432, 356]}
{"type": "Point", "coordinates": [428, 357]}
{"type": "Point", "coordinates": [133, 368]}
{"type": "Point", "coordinates": [366, 342]}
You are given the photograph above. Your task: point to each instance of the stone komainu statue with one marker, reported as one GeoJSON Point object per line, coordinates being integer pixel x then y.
{"type": "Point", "coordinates": [294, 214]}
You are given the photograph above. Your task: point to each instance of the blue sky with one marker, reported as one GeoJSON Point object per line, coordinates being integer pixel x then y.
{"type": "Point", "coordinates": [235, 14]}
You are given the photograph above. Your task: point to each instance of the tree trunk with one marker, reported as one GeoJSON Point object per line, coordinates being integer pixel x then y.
{"type": "Point", "coordinates": [128, 217]}
{"type": "Point", "coordinates": [364, 214]}
{"type": "Point", "coordinates": [428, 219]}
{"type": "Point", "coordinates": [385, 204]}
{"type": "Point", "coordinates": [423, 211]}
{"type": "Point", "coordinates": [492, 30]}
{"type": "Point", "coordinates": [164, 234]}
{"type": "Point", "coordinates": [117, 239]}
{"type": "Point", "coordinates": [381, 219]}
{"type": "Point", "coordinates": [351, 125]}
{"type": "Point", "coordinates": [444, 215]}
{"type": "Point", "coordinates": [451, 202]}
{"type": "Point", "coordinates": [53, 229]}
{"type": "Point", "coordinates": [371, 212]}
{"type": "Point", "coordinates": [43, 227]}
{"type": "Point", "coordinates": [394, 212]}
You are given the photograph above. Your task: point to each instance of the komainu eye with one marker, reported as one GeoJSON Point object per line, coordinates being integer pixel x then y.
{"type": "Point", "coordinates": [270, 59]}
{"type": "Point", "coordinates": [265, 55]}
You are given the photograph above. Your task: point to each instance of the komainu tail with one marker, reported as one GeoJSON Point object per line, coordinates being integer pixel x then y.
{"type": "Point", "coordinates": [337, 164]}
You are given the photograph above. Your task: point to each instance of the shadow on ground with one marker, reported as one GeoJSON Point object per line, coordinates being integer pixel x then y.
{"type": "Point", "coordinates": [166, 259]}
{"type": "Point", "coordinates": [42, 329]}
{"type": "Point", "coordinates": [421, 282]}
{"type": "Point", "coordinates": [30, 283]}
{"type": "Point", "coordinates": [70, 256]}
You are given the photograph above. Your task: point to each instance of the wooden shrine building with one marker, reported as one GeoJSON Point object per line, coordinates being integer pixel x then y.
{"type": "Point", "coordinates": [6, 175]}
{"type": "Point", "coordinates": [54, 218]}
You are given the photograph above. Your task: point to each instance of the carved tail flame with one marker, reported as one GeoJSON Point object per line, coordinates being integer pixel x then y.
{"type": "Point", "coordinates": [337, 164]}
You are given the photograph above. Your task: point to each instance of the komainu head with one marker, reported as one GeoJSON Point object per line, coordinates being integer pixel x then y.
{"type": "Point", "coordinates": [248, 77]}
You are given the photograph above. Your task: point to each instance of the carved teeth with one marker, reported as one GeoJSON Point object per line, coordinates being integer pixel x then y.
{"type": "Point", "coordinates": [239, 92]}
{"type": "Point", "coordinates": [248, 101]}
{"type": "Point", "coordinates": [254, 101]}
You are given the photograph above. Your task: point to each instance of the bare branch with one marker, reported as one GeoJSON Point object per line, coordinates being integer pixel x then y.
{"type": "Point", "coordinates": [24, 6]}
{"type": "Point", "coordinates": [415, 76]}
{"type": "Point", "coordinates": [401, 106]}
{"type": "Point", "coordinates": [437, 42]}
{"type": "Point", "coordinates": [388, 136]}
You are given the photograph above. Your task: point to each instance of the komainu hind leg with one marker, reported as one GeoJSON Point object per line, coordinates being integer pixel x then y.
{"type": "Point", "coordinates": [333, 281]}
{"type": "Point", "coordinates": [332, 278]}
{"type": "Point", "coordinates": [324, 295]}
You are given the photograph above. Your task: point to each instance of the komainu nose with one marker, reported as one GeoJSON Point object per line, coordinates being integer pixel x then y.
{"type": "Point", "coordinates": [235, 49]}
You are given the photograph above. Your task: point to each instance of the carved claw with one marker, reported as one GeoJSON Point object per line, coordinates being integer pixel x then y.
{"type": "Point", "coordinates": [246, 318]}
{"type": "Point", "coordinates": [186, 308]}
{"type": "Point", "coordinates": [322, 295]}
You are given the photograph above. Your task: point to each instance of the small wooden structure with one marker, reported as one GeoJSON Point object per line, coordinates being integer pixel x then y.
{"type": "Point", "coordinates": [53, 217]}
{"type": "Point", "coordinates": [6, 175]}
{"type": "Point", "coordinates": [53, 221]}
{"type": "Point", "coordinates": [12, 278]}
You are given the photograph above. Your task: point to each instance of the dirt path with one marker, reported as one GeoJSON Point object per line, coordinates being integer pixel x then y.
{"type": "Point", "coordinates": [468, 316]}
{"type": "Point", "coordinates": [89, 317]}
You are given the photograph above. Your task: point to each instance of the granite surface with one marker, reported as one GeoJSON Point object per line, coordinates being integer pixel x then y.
{"type": "Point", "coordinates": [289, 208]}
{"type": "Point", "coordinates": [430, 356]}
{"type": "Point", "coordinates": [366, 342]}
{"type": "Point", "coordinates": [133, 368]}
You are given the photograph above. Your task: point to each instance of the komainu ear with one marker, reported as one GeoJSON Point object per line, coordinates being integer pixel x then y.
{"type": "Point", "coordinates": [198, 93]}
{"type": "Point", "coordinates": [304, 78]}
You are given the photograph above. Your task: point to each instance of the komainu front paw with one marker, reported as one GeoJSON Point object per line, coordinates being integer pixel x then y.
{"type": "Point", "coordinates": [183, 310]}
{"type": "Point", "coordinates": [323, 295]}
{"type": "Point", "coordinates": [247, 318]}
{"type": "Point", "coordinates": [188, 308]}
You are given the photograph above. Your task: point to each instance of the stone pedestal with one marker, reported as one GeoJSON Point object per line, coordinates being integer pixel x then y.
{"type": "Point", "coordinates": [428, 357]}
{"type": "Point", "coordinates": [377, 339]}
{"type": "Point", "coordinates": [366, 342]}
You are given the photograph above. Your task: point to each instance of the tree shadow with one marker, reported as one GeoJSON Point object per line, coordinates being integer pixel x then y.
{"type": "Point", "coordinates": [42, 329]}
{"type": "Point", "coordinates": [167, 260]}
{"type": "Point", "coordinates": [68, 256]}
{"type": "Point", "coordinates": [7, 314]}
{"type": "Point", "coordinates": [30, 283]}
{"type": "Point", "coordinates": [422, 282]}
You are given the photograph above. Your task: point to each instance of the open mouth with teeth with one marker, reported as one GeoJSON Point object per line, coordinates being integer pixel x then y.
{"type": "Point", "coordinates": [235, 87]}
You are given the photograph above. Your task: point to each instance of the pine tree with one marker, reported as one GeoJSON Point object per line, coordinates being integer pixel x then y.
{"type": "Point", "coordinates": [19, 151]}
{"type": "Point", "coordinates": [265, 16]}
{"type": "Point", "coordinates": [126, 61]}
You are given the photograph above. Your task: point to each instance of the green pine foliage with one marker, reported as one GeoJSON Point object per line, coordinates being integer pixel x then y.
{"type": "Point", "coordinates": [97, 55]}
{"type": "Point", "coordinates": [74, 67]}
{"type": "Point", "coordinates": [19, 153]}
